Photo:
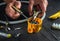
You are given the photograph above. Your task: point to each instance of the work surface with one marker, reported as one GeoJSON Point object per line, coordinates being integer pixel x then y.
{"type": "Point", "coordinates": [43, 35]}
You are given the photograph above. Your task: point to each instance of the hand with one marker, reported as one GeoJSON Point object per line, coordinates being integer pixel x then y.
{"type": "Point", "coordinates": [9, 1]}
{"type": "Point", "coordinates": [10, 11]}
{"type": "Point", "coordinates": [42, 4]}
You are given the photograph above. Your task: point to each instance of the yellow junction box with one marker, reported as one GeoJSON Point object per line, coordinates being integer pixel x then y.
{"type": "Point", "coordinates": [32, 28]}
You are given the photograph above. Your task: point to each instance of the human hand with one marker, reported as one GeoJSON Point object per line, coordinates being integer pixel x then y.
{"type": "Point", "coordinates": [9, 1]}
{"type": "Point", "coordinates": [10, 11]}
{"type": "Point", "coordinates": [42, 4]}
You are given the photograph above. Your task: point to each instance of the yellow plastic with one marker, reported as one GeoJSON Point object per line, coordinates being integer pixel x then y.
{"type": "Point", "coordinates": [32, 28]}
{"type": "Point", "coordinates": [55, 16]}
{"type": "Point", "coordinates": [9, 35]}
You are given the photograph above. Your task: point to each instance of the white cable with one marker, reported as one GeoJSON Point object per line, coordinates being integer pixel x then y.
{"type": "Point", "coordinates": [43, 16]}
{"type": "Point", "coordinates": [20, 21]}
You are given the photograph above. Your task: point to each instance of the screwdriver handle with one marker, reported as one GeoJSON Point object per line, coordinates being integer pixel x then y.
{"type": "Point", "coordinates": [36, 14]}
{"type": "Point", "coordinates": [16, 9]}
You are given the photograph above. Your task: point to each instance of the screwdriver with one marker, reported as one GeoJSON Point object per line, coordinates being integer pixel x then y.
{"type": "Point", "coordinates": [16, 9]}
{"type": "Point", "coordinates": [35, 16]}
{"type": "Point", "coordinates": [5, 35]}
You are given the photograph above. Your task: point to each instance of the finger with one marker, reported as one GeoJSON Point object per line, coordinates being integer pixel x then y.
{"type": "Point", "coordinates": [38, 7]}
{"type": "Point", "coordinates": [43, 8]}
{"type": "Point", "coordinates": [10, 4]}
{"type": "Point", "coordinates": [43, 5]}
{"type": "Point", "coordinates": [9, 11]}
{"type": "Point", "coordinates": [30, 7]}
{"type": "Point", "coordinates": [40, 14]}
{"type": "Point", "coordinates": [12, 12]}
{"type": "Point", "coordinates": [16, 15]}
{"type": "Point", "coordinates": [18, 4]}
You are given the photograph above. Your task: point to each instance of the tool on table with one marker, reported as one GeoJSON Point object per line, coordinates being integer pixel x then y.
{"type": "Point", "coordinates": [56, 26]}
{"type": "Point", "coordinates": [5, 35]}
{"type": "Point", "coordinates": [17, 32]}
{"type": "Point", "coordinates": [17, 28]}
{"type": "Point", "coordinates": [16, 9]}
{"type": "Point", "coordinates": [55, 16]}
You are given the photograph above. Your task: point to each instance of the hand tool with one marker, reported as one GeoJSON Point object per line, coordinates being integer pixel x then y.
{"type": "Point", "coordinates": [56, 26]}
{"type": "Point", "coordinates": [5, 35]}
{"type": "Point", "coordinates": [16, 9]}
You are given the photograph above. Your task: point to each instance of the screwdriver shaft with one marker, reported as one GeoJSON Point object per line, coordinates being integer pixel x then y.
{"type": "Point", "coordinates": [16, 9]}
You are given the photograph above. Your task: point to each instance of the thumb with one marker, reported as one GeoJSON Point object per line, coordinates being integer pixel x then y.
{"type": "Point", "coordinates": [43, 5]}
{"type": "Point", "coordinates": [18, 4]}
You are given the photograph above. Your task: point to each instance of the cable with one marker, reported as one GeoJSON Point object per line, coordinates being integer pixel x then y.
{"type": "Point", "coordinates": [19, 21]}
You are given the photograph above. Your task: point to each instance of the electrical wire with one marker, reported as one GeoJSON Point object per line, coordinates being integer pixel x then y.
{"type": "Point", "coordinates": [19, 21]}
